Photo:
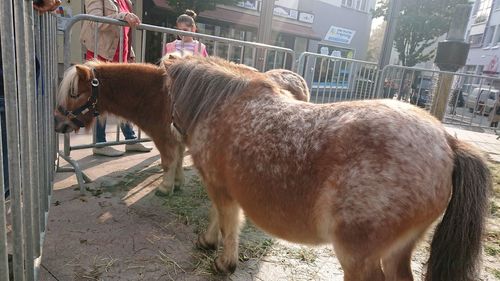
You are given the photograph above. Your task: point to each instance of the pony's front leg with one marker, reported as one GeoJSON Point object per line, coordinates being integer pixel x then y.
{"type": "Point", "coordinates": [179, 170]}
{"type": "Point", "coordinates": [166, 187]}
{"type": "Point", "coordinates": [169, 162]}
{"type": "Point", "coordinates": [209, 239]}
{"type": "Point", "coordinates": [230, 220]}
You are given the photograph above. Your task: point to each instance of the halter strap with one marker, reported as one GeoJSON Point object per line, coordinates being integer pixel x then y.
{"type": "Point", "coordinates": [177, 130]}
{"type": "Point", "coordinates": [88, 106]}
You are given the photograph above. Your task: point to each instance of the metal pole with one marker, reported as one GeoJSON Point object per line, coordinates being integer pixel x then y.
{"type": "Point", "coordinates": [265, 22]}
{"type": "Point", "coordinates": [451, 56]}
{"type": "Point", "coordinates": [26, 71]}
{"type": "Point", "coordinates": [390, 29]}
{"type": "Point", "coordinates": [265, 30]}
{"type": "Point", "coordinates": [11, 111]}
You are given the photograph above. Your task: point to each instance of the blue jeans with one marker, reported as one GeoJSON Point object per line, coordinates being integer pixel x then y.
{"type": "Point", "coordinates": [127, 130]}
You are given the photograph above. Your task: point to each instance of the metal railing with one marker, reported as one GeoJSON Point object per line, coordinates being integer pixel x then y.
{"type": "Point", "coordinates": [29, 70]}
{"type": "Point", "coordinates": [260, 56]}
{"type": "Point", "coordinates": [473, 99]}
{"type": "Point", "coordinates": [332, 79]}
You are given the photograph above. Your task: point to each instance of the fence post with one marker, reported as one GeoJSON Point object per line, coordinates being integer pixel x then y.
{"type": "Point", "coordinates": [438, 108]}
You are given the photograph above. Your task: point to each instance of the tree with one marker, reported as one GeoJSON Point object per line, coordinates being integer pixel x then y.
{"type": "Point", "coordinates": [420, 24]}
{"type": "Point", "coordinates": [375, 43]}
{"type": "Point", "coordinates": [198, 5]}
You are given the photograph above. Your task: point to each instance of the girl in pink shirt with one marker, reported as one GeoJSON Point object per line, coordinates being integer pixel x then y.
{"type": "Point", "coordinates": [185, 22]}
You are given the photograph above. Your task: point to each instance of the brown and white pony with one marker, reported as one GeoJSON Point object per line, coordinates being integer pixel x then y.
{"type": "Point", "coordinates": [136, 92]}
{"type": "Point", "coordinates": [369, 177]}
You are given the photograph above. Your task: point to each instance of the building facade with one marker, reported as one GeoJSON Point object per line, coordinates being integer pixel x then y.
{"type": "Point", "coordinates": [333, 27]}
{"type": "Point", "coordinates": [483, 34]}
{"type": "Point", "coordinates": [344, 27]}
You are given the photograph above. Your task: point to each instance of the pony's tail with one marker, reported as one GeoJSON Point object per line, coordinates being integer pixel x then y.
{"type": "Point", "coordinates": [456, 245]}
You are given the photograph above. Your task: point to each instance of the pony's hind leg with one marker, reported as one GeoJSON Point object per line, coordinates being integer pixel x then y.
{"type": "Point", "coordinates": [230, 219]}
{"type": "Point", "coordinates": [210, 238]}
{"type": "Point", "coordinates": [358, 264]}
{"type": "Point", "coordinates": [397, 265]}
{"type": "Point", "coordinates": [179, 170]}
{"type": "Point", "coordinates": [397, 262]}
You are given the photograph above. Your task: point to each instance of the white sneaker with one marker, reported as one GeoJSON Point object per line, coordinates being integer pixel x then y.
{"type": "Point", "coordinates": [137, 147]}
{"type": "Point", "coordinates": [107, 151]}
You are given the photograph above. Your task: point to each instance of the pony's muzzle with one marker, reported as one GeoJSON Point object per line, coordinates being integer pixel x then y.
{"type": "Point", "coordinates": [63, 125]}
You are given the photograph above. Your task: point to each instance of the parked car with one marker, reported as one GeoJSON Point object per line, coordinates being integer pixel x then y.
{"type": "Point", "coordinates": [468, 88]}
{"type": "Point", "coordinates": [421, 91]}
{"type": "Point", "coordinates": [482, 100]}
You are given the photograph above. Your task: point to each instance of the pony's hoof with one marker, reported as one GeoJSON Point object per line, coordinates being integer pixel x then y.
{"type": "Point", "coordinates": [161, 193]}
{"type": "Point", "coordinates": [224, 268]}
{"type": "Point", "coordinates": [202, 243]}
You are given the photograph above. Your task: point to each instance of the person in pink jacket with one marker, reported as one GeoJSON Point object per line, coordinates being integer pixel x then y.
{"type": "Point", "coordinates": [186, 22]}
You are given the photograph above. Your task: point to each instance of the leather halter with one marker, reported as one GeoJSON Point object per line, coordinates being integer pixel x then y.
{"type": "Point", "coordinates": [175, 128]}
{"type": "Point", "coordinates": [90, 105]}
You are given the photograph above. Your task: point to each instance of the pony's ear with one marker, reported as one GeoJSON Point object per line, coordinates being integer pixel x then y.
{"type": "Point", "coordinates": [166, 62]}
{"type": "Point", "coordinates": [84, 73]}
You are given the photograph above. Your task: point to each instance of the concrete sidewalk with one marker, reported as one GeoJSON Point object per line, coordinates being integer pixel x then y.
{"type": "Point", "coordinates": [484, 141]}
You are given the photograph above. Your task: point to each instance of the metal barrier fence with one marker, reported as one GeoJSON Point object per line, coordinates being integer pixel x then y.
{"type": "Point", "coordinates": [29, 72]}
{"type": "Point", "coordinates": [333, 79]}
{"type": "Point", "coordinates": [474, 101]}
{"type": "Point", "coordinates": [260, 56]}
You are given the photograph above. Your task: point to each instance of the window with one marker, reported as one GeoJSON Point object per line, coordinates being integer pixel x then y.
{"type": "Point", "coordinates": [332, 71]}
{"type": "Point", "coordinates": [475, 40]}
{"type": "Point", "coordinates": [482, 10]}
{"type": "Point", "coordinates": [488, 37]}
{"type": "Point", "coordinates": [359, 5]}
{"type": "Point", "coordinates": [480, 69]}
{"type": "Point", "coordinates": [496, 36]}
{"type": "Point", "coordinates": [470, 69]}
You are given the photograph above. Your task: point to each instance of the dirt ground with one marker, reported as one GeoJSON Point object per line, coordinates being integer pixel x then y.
{"type": "Point", "coordinates": [120, 230]}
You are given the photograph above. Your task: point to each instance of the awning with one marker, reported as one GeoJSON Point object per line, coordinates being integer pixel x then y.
{"type": "Point", "coordinates": [241, 18]}
{"type": "Point", "coordinates": [162, 4]}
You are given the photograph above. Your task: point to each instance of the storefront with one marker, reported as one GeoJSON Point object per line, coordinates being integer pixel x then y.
{"type": "Point", "coordinates": [239, 23]}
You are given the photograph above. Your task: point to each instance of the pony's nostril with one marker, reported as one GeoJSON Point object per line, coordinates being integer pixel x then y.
{"type": "Point", "coordinates": [66, 128]}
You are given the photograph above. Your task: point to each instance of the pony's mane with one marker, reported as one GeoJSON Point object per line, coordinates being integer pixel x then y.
{"type": "Point", "coordinates": [169, 57]}
{"type": "Point", "coordinates": [69, 83]}
{"type": "Point", "coordinates": [199, 85]}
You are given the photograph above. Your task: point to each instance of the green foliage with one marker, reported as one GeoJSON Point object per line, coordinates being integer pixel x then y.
{"type": "Point", "coordinates": [198, 5]}
{"type": "Point", "coordinates": [419, 26]}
